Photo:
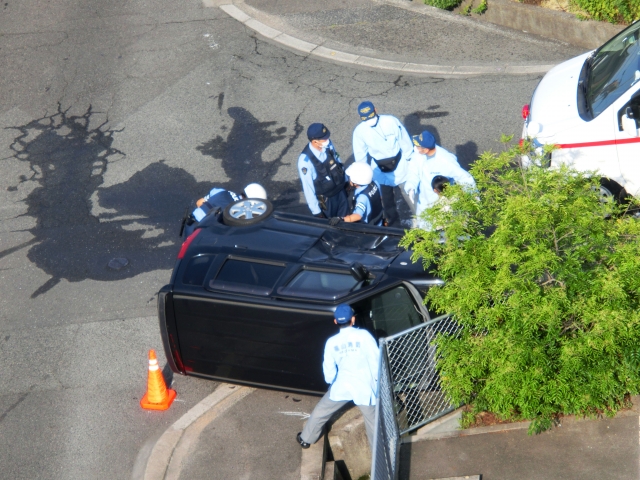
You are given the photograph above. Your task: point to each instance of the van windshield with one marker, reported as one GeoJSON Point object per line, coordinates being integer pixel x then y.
{"type": "Point", "coordinates": [614, 68]}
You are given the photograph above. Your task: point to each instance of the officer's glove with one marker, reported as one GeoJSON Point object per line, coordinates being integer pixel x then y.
{"type": "Point", "coordinates": [411, 194]}
{"type": "Point", "coordinates": [320, 215]}
{"type": "Point", "coordinates": [333, 221]}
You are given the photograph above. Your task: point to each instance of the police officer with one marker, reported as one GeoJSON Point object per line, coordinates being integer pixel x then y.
{"type": "Point", "coordinates": [429, 161]}
{"type": "Point", "coordinates": [383, 142]}
{"type": "Point", "coordinates": [350, 366]}
{"type": "Point", "coordinates": [217, 199]}
{"type": "Point", "coordinates": [365, 201]}
{"type": "Point", "coordinates": [322, 174]}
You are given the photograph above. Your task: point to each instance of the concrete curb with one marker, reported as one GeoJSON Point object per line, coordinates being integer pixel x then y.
{"type": "Point", "coordinates": [243, 15]}
{"type": "Point", "coordinates": [173, 446]}
{"type": "Point", "coordinates": [312, 460]}
{"type": "Point", "coordinates": [560, 26]}
{"type": "Point", "coordinates": [465, 433]}
{"type": "Point", "coordinates": [434, 430]}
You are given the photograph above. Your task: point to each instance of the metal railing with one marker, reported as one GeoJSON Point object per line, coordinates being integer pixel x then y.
{"type": "Point", "coordinates": [386, 438]}
{"type": "Point", "coordinates": [409, 394]}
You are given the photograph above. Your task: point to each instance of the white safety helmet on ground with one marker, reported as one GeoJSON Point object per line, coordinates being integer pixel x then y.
{"type": "Point", "coordinates": [255, 190]}
{"type": "Point", "coordinates": [360, 173]}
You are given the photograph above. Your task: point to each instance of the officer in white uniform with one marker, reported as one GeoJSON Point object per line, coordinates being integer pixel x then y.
{"type": "Point", "coordinates": [365, 201]}
{"type": "Point", "coordinates": [322, 174]}
{"type": "Point", "coordinates": [351, 368]}
{"type": "Point", "coordinates": [383, 142]}
{"type": "Point", "coordinates": [218, 198]}
{"type": "Point", "coordinates": [430, 160]}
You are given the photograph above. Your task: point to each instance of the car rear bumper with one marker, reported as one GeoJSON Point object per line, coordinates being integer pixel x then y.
{"type": "Point", "coordinates": [168, 331]}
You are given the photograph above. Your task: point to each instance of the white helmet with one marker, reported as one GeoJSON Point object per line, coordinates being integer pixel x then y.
{"type": "Point", "coordinates": [255, 190]}
{"type": "Point", "coordinates": [360, 173]}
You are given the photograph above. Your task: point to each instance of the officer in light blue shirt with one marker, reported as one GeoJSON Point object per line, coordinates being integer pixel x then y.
{"type": "Point", "coordinates": [322, 174]}
{"type": "Point", "coordinates": [431, 160]}
{"type": "Point", "coordinates": [350, 366]}
{"type": "Point", "coordinates": [217, 199]}
{"type": "Point", "coordinates": [383, 142]}
{"type": "Point", "coordinates": [365, 200]}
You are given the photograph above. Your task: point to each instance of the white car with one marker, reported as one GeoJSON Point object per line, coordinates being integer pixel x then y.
{"type": "Point", "coordinates": [589, 107]}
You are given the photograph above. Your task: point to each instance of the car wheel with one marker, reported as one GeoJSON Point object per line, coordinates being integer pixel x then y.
{"type": "Point", "coordinates": [611, 189]}
{"type": "Point", "coordinates": [247, 211]}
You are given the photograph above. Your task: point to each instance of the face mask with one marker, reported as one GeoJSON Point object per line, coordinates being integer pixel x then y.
{"type": "Point", "coordinates": [324, 145]}
{"type": "Point", "coordinates": [372, 121]}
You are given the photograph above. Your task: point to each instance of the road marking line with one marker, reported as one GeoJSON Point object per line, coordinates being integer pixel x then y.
{"type": "Point", "coordinates": [303, 415]}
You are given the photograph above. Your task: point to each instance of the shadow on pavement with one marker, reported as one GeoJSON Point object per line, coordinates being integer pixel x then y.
{"type": "Point", "coordinates": [83, 231]}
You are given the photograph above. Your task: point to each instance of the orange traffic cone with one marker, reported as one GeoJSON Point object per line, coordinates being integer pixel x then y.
{"type": "Point", "coordinates": [158, 396]}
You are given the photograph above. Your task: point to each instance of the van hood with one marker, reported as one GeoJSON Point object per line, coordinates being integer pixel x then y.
{"type": "Point", "coordinates": [554, 103]}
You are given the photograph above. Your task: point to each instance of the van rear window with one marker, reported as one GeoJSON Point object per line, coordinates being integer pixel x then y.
{"type": "Point", "coordinates": [242, 276]}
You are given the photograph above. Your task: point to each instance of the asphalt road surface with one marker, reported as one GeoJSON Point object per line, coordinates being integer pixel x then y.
{"type": "Point", "coordinates": [113, 117]}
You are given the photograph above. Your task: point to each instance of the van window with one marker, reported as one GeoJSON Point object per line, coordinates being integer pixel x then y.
{"type": "Point", "coordinates": [197, 269]}
{"type": "Point", "coordinates": [320, 285]}
{"type": "Point", "coordinates": [614, 68]}
{"type": "Point", "coordinates": [388, 312]}
{"type": "Point", "coordinates": [243, 276]}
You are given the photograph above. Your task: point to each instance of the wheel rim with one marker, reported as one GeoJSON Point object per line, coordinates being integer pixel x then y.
{"type": "Point", "coordinates": [605, 194]}
{"type": "Point", "coordinates": [248, 209]}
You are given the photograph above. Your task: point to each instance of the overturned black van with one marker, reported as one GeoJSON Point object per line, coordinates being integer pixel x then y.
{"type": "Point", "coordinates": [253, 291]}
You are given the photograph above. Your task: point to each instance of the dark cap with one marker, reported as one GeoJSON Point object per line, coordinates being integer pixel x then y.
{"type": "Point", "coordinates": [343, 314]}
{"type": "Point", "coordinates": [317, 131]}
{"type": "Point", "coordinates": [366, 110]}
{"type": "Point", "coordinates": [439, 183]}
{"type": "Point", "coordinates": [424, 140]}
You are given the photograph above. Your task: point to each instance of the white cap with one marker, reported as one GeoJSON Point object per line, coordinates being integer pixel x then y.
{"type": "Point", "coordinates": [255, 190]}
{"type": "Point", "coordinates": [360, 173]}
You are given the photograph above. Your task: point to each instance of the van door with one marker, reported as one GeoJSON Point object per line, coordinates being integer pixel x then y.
{"type": "Point", "coordinates": [391, 311]}
{"type": "Point", "coordinates": [627, 122]}
{"type": "Point", "coordinates": [589, 146]}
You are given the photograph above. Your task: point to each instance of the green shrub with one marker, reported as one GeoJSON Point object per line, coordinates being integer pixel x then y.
{"type": "Point", "coordinates": [614, 11]}
{"type": "Point", "coordinates": [480, 9]}
{"type": "Point", "coordinates": [466, 11]}
{"type": "Point", "coordinates": [444, 4]}
{"type": "Point", "coordinates": [544, 276]}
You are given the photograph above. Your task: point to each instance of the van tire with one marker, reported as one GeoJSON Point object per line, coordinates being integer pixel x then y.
{"type": "Point", "coordinates": [611, 188]}
{"type": "Point", "coordinates": [247, 211]}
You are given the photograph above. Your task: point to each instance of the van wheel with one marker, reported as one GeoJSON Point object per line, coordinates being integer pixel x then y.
{"type": "Point", "coordinates": [611, 189]}
{"type": "Point", "coordinates": [247, 211]}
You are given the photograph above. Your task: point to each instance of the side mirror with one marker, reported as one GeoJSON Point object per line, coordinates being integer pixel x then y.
{"type": "Point", "coordinates": [358, 271]}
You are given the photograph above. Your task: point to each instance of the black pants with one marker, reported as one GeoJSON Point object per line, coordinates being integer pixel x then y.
{"type": "Point", "coordinates": [389, 205]}
{"type": "Point", "coordinates": [337, 206]}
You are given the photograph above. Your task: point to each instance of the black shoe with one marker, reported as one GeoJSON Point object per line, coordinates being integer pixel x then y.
{"type": "Point", "coordinates": [302, 443]}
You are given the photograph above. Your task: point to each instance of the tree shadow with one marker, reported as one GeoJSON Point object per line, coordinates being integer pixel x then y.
{"type": "Point", "coordinates": [81, 227]}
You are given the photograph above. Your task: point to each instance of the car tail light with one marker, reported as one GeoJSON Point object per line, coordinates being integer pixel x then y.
{"type": "Point", "coordinates": [187, 242]}
{"type": "Point", "coordinates": [521, 146]}
{"type": "Point", "coordinates": [525, 112]}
